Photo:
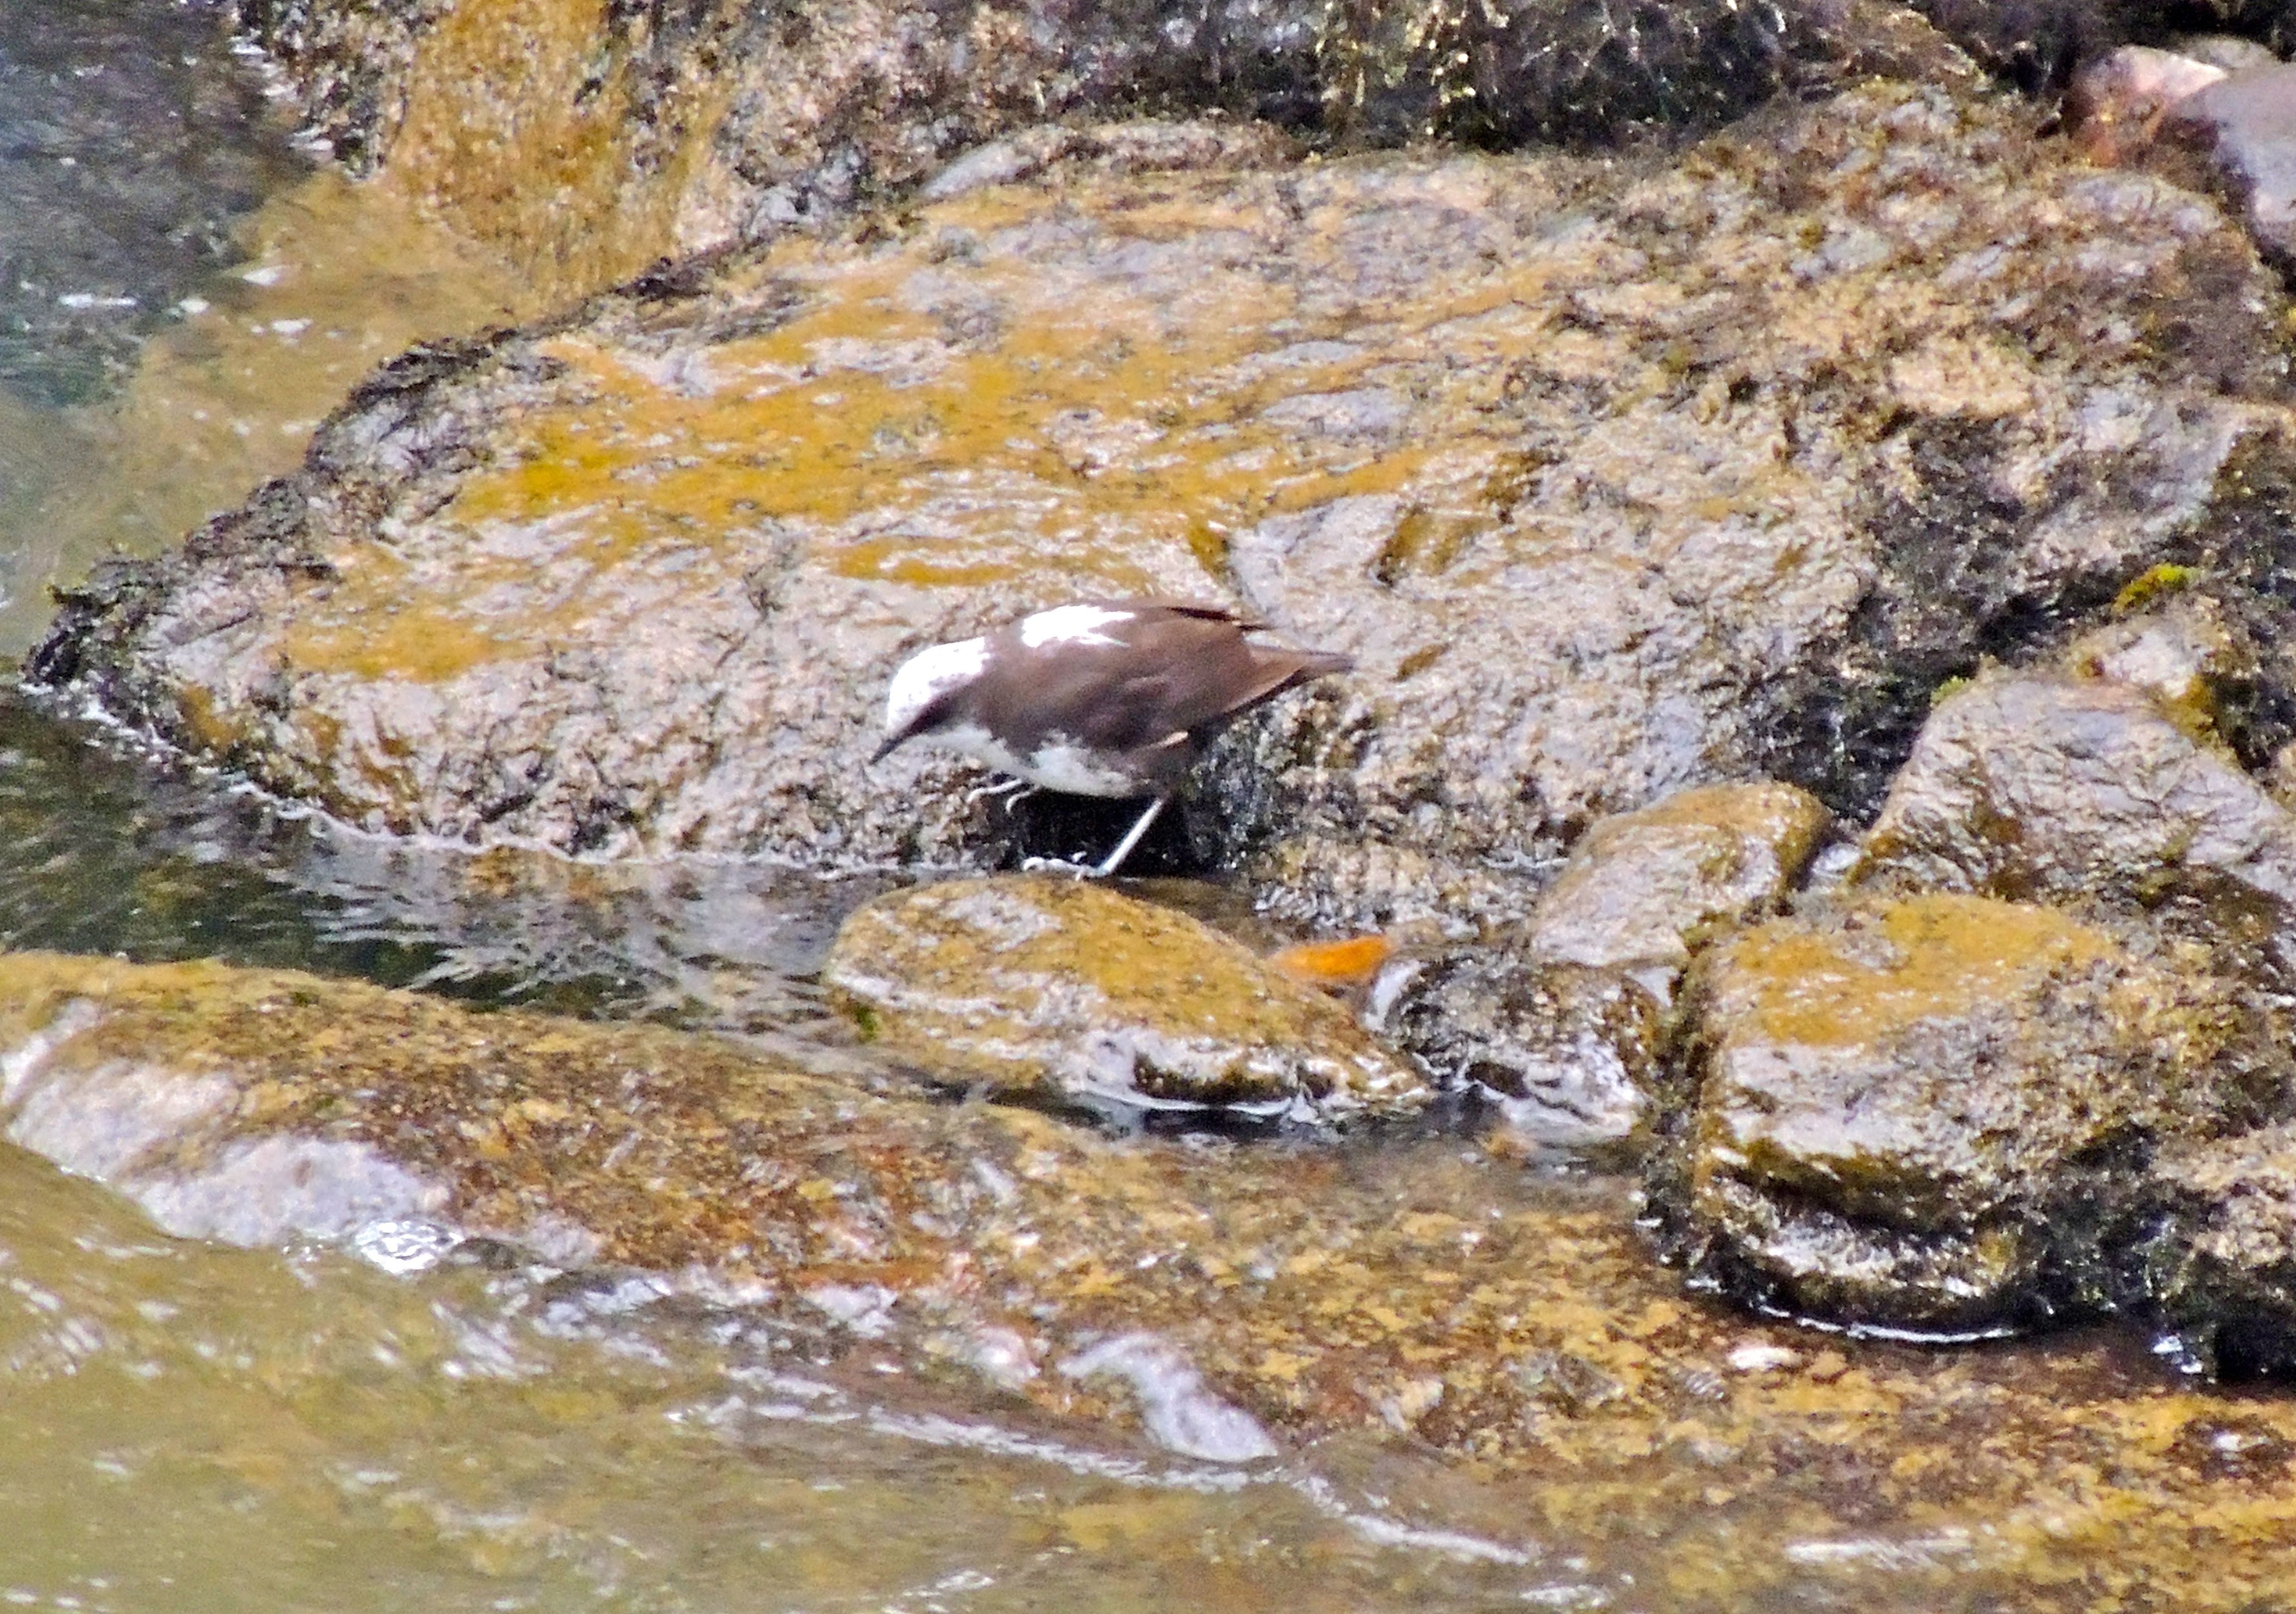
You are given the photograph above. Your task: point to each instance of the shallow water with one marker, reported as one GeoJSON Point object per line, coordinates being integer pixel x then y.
{"type": "Point", "coordinates": [185, 1425]}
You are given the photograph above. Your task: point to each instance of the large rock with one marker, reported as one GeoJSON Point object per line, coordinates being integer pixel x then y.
{"type": "Point", "coordinates": [2043, 787]}
{"type": "Point", "coordinates": [668, 130]}
{"type": "Point", "coordinates": [1585, 463]}
{"type": "Point", "coordinates": [1934, 1113]}
{"type": "Point", "coordinates": [1066, 990]}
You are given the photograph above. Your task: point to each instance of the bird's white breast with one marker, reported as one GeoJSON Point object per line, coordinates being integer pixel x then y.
{"type": "Point", "coordinates": [1059, 765]}
{"type": "Point", "coordinates": [1065, 767]}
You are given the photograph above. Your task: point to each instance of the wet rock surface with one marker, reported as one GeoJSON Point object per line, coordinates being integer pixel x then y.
{"type": "Point", "coordinates": [1069, 991]}
{"type": "Point", "coordinates": [1934, 1112]}
{"type": "Point", "coordinates": [1598, 521]}
{"type": "Point", "coordinates": [2046, 787]}
{"type": "Point", "coordinates": [2245, 124]}
{"type": "Point", "coordinates": [1372, 1309]}
{"type": "Point", "coordinates": [2224, 1274]}
{"type": "Point", "coordinates": [1644, 890]}
{"type": "Point", "coordinates": [672, 130]}
{"type": "Point", "coordinates": [1563, 1018]}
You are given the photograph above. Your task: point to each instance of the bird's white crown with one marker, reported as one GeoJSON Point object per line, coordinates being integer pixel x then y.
{"type": "Point", "coordinates": [929, 674]}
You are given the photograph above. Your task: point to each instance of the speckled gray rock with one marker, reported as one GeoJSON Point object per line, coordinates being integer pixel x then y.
{"type": "Point", "coordinates": [2246, 124]}
{"type": "Point", "coordinates": [1581, 460]}
{"type": "Point", "coordinates": [2043, 787]}
{"type": "Point", "coordinates": [1932, 1113]}
{"type": "Point", "coordinates": [1067, 990]}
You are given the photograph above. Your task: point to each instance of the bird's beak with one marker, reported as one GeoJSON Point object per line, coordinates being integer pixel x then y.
{"type": "Point", "coordinates": [892, 743]}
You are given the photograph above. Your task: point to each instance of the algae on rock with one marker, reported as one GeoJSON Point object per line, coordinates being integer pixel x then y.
{"type": "Point", "coordinates": [1934, 1112]}
{"type": "Point", "coordinates": [1063, 990]}
{"type": "Point", "coordinates": [1535, 438]}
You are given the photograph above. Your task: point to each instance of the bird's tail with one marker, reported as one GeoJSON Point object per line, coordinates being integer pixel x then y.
{"type": "Point", "coordinates": [1318, 663]}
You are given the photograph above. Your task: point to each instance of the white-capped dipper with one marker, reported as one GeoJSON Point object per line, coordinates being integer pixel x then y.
{"type": "Point", "coordinates": [1114, 699]}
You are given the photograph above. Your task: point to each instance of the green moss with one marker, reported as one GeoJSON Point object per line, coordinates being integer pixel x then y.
{"type": "Point", "coordinates": [2152, 585]}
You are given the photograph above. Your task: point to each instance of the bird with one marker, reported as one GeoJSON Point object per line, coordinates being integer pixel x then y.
{"type": "Point", "coordinates": [1115, 698]}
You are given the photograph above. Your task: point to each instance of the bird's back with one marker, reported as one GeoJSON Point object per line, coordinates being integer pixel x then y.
{"type": "Point", "coordinates": [1162, 670]}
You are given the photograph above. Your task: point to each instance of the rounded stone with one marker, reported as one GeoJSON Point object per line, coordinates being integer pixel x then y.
{"type": "Point", "coordinates": [1068, 990]}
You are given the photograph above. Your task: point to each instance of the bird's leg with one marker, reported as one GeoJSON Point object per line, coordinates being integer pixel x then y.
{"type": "Point", "coordinates": [1107, 866]}
{"type": "Point", "coordinates": [1110, 864]}
{"type": "Point", "coordinates": [1131, 838]}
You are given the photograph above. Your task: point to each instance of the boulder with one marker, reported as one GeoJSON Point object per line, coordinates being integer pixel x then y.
{"type": "Point", "coordinates": [1617, 478]}
{"type": "Point", "coordinates": [2041, 787]}
{"type": "Point", "coordinates": [1061, 990]}
{"type": "Point", "coordinates": [1570, 1054]}
{"type": "Point", "coordinates": [1934, 1113]}
{"type": "Point", "coordinates": [1564, 1020]}
{"type": "Point", "coordinates": [1645, 890]}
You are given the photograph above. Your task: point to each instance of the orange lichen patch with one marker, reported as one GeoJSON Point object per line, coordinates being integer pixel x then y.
{"type": "Point", "coordinates": [1941, 956]}
{"type": "Point", "coordinates": [1348, 962]}
{"type": "Point", "coordinates": [954, 407]}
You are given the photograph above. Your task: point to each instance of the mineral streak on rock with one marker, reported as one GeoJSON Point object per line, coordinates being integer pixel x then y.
{"type": "Point", "coordinates": [1064, 990]}
{"type": "Point", "coordinates": [1397, 1307]}
{"type": "Point", "coordinates": [588, 140]}
{"type": "Point", "coordinates": [1931, 1113]}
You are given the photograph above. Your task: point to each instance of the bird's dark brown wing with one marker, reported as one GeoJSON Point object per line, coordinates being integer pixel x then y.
{"type": "Point", "coordinates": [1194, 672]}
{"type": "Point", "coordinates": [1176, 669]}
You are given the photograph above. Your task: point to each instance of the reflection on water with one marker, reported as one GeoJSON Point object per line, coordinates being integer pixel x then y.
{"type": "Point", "coordinates": [129, 143]}
{"type": "Point", "coordinates": [103, 853]}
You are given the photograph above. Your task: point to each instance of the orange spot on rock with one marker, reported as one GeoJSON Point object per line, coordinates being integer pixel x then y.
{"type": "Point", "coordinates": [1348, 963]}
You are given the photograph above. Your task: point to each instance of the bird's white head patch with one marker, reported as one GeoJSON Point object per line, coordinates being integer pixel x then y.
{"type": "Point", "coordinates": [927, 675]}
{"type": "Point", "coordinates": [1070, 624]}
